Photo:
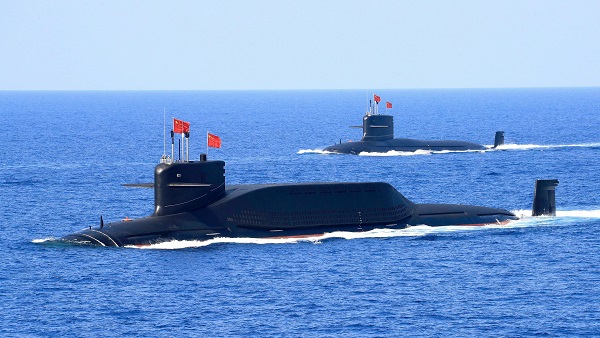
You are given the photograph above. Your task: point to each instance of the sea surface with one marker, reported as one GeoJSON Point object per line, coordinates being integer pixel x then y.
{"type": "Point", "coordinates": [65, 155]}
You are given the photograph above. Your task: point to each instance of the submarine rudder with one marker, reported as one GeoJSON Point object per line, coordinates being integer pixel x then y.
{"type": "Point", "coordinates": [499, 139]}
{"type": "Point", "coordinates": [544, 198]}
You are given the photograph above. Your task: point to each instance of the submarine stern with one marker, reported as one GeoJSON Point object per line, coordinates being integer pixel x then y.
{"type": "Point", "coordinates": [459, 215]}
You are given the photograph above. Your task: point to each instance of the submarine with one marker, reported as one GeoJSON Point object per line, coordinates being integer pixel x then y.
{"type": "Point", "coordinates": [378, 137]}
{"type": "Point", "coordinates": [193, 203]}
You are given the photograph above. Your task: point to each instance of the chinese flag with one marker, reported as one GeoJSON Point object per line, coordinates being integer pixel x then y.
{"type": "Point", "coordinates": [214, 141]}
{"type": "Point", "coordinates": [376, 98]}
{"type": "Point", "coordinates": [180, 126]}
{"type": "Point", "coordinates": [388, 105]}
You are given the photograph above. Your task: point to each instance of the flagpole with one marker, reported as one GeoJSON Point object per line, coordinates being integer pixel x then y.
{"type": "Point", "coordinates": [207, 143]}
{"type": "Point", "coordinates": [182, 148]}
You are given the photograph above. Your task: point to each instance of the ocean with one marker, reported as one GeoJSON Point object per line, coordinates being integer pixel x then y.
{"type": "Point", "coordinates": [65, 155]}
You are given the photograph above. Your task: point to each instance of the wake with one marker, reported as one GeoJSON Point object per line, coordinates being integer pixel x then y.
{"type": "Point", "coordinates": [313, 151]}
{"type": "Point", "coordinates": [536, 146]}
{"type": "Point", "coordinates": [417, 152]}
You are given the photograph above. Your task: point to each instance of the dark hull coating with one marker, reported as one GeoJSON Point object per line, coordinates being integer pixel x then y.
{"type": "Point", "coordinates": [378, 137]}
{"type": "Point", "coordinates": [402, 144]}
{"type": "Point", "coordinates": [290, 210]}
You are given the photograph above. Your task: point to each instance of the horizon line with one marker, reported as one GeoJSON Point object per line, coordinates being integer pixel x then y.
{"type": "Point", "coordinates": [294, 89]}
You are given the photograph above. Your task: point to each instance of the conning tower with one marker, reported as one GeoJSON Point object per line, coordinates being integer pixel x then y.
{"type": "Point", "coordinates": [378, 127]}
{"type": "Point", "coordinates": [185, 186]}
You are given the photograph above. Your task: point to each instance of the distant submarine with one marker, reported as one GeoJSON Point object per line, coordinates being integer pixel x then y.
{"type": "Point", "coordinates": [192, 203]}
{"type": "Point", "coordinates": [378, 137]}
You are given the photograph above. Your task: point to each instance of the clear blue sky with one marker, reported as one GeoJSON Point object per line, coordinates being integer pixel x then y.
{"type": "Point", "coordinates": [305, 44]}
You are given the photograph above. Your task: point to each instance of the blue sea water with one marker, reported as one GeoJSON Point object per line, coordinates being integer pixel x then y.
{"type": "Point", "coordinates": [64, 156]}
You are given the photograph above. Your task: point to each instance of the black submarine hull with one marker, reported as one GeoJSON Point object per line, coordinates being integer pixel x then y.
{"type": "Point", "coordinates": [378, 137]}
{"type": "Point", "coordinates": [402, 144]}
{"type": "Point", "coordinates": [287, 211]}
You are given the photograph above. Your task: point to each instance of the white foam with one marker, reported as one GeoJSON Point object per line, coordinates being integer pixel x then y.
{"type": "Point", "coordinates": [462, 151]}
{"type": "Point", "coordinates": [42, 240]}
{"type": "Point", "coordinates": [562, 218]}
{"type": "Point", "coordinates": [413, 231]}
{"type": "Point", "coordinates": [524, 214]}
{"type": "Point", "coordinates": [397, 153]}
{"type": "Point", "coordinates": [550, 146]}
{"type": "Point", "coordinates": [171, 245]}
{"type": "Point", "coordinates": [579, 214]}
{"type": "Point", "coordinates": [313, 151]}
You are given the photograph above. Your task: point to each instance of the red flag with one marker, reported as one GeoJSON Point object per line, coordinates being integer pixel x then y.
{"type": "Point", "coordinates": [214, 141]}
{"type": "Point", "coordinates": [180, 126]}
{"type": "Point", "coordinates": [388, 105]}
{"type": "Point", "coordinates": [376, 98]}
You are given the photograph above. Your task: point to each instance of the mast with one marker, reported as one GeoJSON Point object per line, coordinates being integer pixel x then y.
{"type": "Point", "coordinates": [187, 146]}
{"type": "Point", "coordinates": [172, 145]}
